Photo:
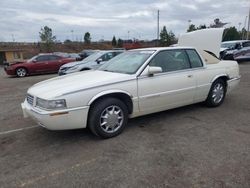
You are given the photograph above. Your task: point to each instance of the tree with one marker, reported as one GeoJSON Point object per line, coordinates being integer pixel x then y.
{"type": "Point", "coordinates": [114, 42]}
{"type": "Point", "coordinates": [191, 27]}
{"type": "Point", "coordinates": [167, 38]}
{"type": "Point", "coordinates": [202, 26]}
{"type": "Point", "coordinates": [47, 38]}
{"type": "Point", "coordinates": [87, 38]}
{"type": "Point", "coordinates": [231, 33]}
{"type": "Point", "coordinates": [120, 43]}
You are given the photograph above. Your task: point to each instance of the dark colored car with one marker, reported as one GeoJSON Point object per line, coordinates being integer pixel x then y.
{"type": "Point", "coordinates": [86, 53]}
{"type": "Point", "coordinates": [242, 54]}
{"type": "Point", "coordinates": [42, 63]}
{"type": "Point", "coordinates": [230, 48]}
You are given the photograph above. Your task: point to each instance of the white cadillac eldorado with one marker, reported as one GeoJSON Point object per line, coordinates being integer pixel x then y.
{"type": "Point", "coordinates": [135, 83]}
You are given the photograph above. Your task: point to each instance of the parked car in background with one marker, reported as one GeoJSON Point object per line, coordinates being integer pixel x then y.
{"type": "Point", "coordinates": [228, 48]}
{"type": "Point", "coordinates": [135, 83]}
{"type": "Point", "coordinates": [86, 53]}
{"type": "Point", "coordinates": [91, 62]}
{"type": "Point", "coordinates": [42, 63]}
{"type": "Point", "coordinates": [242, 54]}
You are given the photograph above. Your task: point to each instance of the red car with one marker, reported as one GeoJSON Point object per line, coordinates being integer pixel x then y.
{"type": "Point", "coordinates": [42, 63]}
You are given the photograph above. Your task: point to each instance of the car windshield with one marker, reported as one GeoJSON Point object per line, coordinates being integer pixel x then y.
{"type": "Point", "coordinates": [228, 45]}
{"type": "Point", "coordinates": [128, 62]}
{"type": "Point", "coordinates": [93, 57]}
{"type": "Point", "coordinates": [32, 59]}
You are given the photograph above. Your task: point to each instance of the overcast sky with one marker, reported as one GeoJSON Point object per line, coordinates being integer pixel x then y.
{"type": "Point", "coordinates": [22, 20]}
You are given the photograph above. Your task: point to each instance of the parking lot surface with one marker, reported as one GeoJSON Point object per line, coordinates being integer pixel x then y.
{"type": "Point", "coordinates": [192, 146]}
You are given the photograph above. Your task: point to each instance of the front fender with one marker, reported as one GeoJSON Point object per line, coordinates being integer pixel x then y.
{"type": "Point", "coordinates": [108, 92]}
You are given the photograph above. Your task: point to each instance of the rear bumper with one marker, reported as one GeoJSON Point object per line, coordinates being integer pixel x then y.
{"type": "Point", "coordinates": [232, 83]}
{"type": "Point", "coordinates": [73, 118]}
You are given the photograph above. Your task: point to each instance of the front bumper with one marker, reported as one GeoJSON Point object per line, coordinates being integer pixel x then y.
{"type": "Point", "coordinates": [232, 83]}
{"type": "Point", "coordinates": [9, 70]}
{"type": "Point", "coordinates": [71, 118]}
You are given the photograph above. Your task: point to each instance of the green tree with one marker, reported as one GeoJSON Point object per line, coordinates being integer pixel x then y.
{"type": "Point", "coordinates": [202, 26]}
{"type": "Point", "coordinates": [87, 38]}
{"type": "Point", "coordinates": [167, 38]}
{"type": "Point", "coordinates": [231, 33]}
{"type": "Point", "coordinates": [47, 38]}
{"type": "Point", "coordinates": [114, 42]}
{"type": "Point", "coordinates": [120, 43]}
{"type": "Point", "coordinates": [191, 27]}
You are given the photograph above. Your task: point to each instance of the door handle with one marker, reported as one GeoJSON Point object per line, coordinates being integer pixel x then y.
{"type": "Point", "coordinates": [190, 76]}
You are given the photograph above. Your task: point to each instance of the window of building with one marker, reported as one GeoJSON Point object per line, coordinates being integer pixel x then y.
{"type": "Point", "coordinates": [17, 55]}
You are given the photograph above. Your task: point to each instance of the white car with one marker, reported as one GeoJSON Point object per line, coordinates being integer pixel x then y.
{"type": "Point", "coordinates": [135, 83]}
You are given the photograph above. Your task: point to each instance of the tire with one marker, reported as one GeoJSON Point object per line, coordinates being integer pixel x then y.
{"type": "Point", "coordinates": [21, 72]}
{"type": "Point", "coordinates": [108, 117]}
{"type": "Point", "coordinates": [217, 93]}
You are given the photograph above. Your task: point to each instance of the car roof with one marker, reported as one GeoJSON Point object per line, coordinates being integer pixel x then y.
{"type": "Point", "coordinates": [235, 41]}
{"type": "Point", "coordinates": [163, 48]}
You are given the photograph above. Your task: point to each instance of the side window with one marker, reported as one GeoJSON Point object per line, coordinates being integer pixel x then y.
{"type": "Point", "coordinates": [53, 57]}
{"type": "Point", "coordinates": [171, 60]}
{"type": "Point", "coordinates": [42, 58]}
{"type": "Point", "coordinates": [107, 56]}
{"type": "Point", "coordinates": [194, 58]}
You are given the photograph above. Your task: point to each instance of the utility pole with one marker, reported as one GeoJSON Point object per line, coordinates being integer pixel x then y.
{"type": "Point", "coordinates": [248, 27]}
{"type": "Point", "coordinates": [158, 26]}
{"type": "Point", "coordinates": [245, 33]}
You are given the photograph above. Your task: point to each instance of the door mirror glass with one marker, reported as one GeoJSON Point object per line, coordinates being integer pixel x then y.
{"type": "Point", "coordinates": [154, 70]}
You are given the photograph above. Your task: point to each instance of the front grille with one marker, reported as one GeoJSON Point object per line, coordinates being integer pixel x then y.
{"type": "Point", "coordinates": [30, 99]}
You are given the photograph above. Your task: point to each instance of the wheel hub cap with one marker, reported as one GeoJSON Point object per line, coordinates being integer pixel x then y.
{"type": "Point", "coordinates": [111, 119]}
{"type": "Point", "coordinates": [218, 93]}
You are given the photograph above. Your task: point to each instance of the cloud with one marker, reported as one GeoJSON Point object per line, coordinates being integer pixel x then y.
{"type": "Point", "coordinates": [131, 18]}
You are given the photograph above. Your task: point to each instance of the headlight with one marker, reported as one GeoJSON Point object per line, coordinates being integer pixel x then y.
{"type": "Point", "coordinates": [51, 104]}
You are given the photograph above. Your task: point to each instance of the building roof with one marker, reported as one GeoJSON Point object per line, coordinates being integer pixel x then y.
{"type": "Point", "coordinates": [11, 50]}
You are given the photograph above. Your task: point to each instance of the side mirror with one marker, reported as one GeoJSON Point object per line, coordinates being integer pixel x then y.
{"type": "Point", "coordinates": [99, 60]}
{"type": "Point", "coordinates": [154, 70]}
{"type": "Point", "coordinates": [34, 61]}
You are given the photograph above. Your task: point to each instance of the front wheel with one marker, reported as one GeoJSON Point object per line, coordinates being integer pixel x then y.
{"type": "Point", "coordinates": [108, 117]}
{"type": "Point", "coordinates": [216, 94]}
{"type": "Point", "coordinates": [21, 72]}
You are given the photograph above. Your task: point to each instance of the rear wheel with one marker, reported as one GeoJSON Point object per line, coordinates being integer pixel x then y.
{"type": "Point", "coordinates": [21, 72]}
{"type": "Point", "coordinates": [108, 117]}
{"type": "Point", "coordinates": [216, 94]}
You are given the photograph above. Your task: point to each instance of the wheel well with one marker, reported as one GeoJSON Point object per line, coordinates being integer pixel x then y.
{"type": "Point", "coordinates": [224, 78]}
{"type": "Point", "coordinates": [126, 99]}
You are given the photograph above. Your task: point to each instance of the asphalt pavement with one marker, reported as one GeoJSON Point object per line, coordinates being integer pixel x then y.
{"type": "Point", "coordinates": [192, 146]}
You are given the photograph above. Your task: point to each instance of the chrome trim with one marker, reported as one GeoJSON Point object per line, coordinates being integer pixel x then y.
{"type": "Point", "coordinates": [165, 93]}
{"type": "Point", "coordinates": [72, 92]}
{"type": "Point", "coordinates": [234, 79]}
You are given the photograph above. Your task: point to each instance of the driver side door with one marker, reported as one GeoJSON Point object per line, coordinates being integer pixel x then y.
{"type": "Point", "coordinates": [174, 87]}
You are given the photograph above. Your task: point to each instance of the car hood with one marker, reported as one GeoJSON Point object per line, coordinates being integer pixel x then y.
{"type": "Point", "coordinates": [204, 39]}
{"type": "Point", "coordinates": [62, 85]}
{"type": "Point", "coordinates": [17, 62]}
{"type": "Point", "coordinates": [76, 63]}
